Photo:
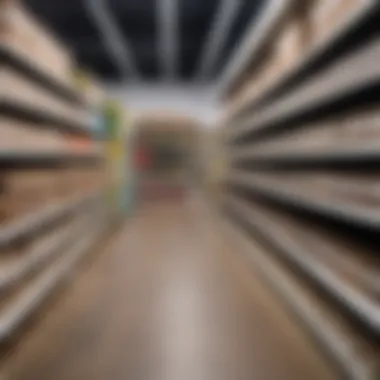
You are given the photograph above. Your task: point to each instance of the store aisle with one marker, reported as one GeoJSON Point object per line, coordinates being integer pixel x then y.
{"type": "Point", "coordinates": [168, 300]}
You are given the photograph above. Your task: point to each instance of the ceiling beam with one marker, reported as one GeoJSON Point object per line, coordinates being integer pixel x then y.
{"type": "Point", "coordinates": [168, 33]}
{"type": "Point", "coordinates": [112, 38]}
{"type": "Point", "coordinates": [219, 31]}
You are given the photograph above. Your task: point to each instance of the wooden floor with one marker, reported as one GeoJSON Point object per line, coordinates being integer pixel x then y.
{"type": "Point", "coordinates": [169, 299]}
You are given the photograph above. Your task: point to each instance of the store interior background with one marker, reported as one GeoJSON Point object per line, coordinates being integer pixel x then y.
{"type": "Point", "coordinates": [189, 189]}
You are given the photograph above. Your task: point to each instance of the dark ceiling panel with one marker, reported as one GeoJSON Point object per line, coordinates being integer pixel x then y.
{"type": "Point", "coordinates": [137, 20]}
{"type": "Point", "coordinates": [195, 19]}
{"type": "Point", "coordinates": [134, 17]}
{"type": "Point", "coordinates": [92, 56]}
{"type": "Point", "coordinates": [68, 19]}
{"type": "Point", "coordinates": [70, 22]}
{"type": "Point", "coordinates": [146, 55]}
{"type": "Point", "coordinates": [189, 55]}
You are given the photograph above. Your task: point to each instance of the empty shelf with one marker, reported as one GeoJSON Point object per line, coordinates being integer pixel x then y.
{"type": "Point", "coordinates": [23, 160]}
{"type": "Point", "coordinates": [312, 61]}
{"type": "Point", "coordinates": [18, 309]}
{"type": "Point", "coordinates": [297, 155]}
{"type": "Point", "coordinates": [11, 58]}
{"type": "Point", "coordinates": [346, 79]}
{"type": "Point", "coordinates": [356, 358]}
{"type": "Point", "coordinates": [353, 290]}
{"type": "Point", "coordinates": [44, 118]}
{"type": "Point", "coordinates": [255, 40]}
{"type": "Point", "coordinates": [15, 267]}
{"type": "Point", "coordinates": [334, 207]}
{"type": "Point", "coordinates": [37, 221]}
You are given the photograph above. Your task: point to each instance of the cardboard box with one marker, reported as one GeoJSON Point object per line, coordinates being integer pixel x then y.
{"type": "Point", "coordinates": [15, 88]}
{"type": "Point", "coordinates": [283, 53]}
{"type": "Point", "coordinates": [26, 192]}
{"type": "Point", "coordinates": [362, 127]}
{"type": "Point", "coordinates": [31, 40]}
{"type": "Point", "coordinates": [255, 83]}
{"type": "Point", "coordinates": [76, 181]}
{"type": "Point", "coordinates": [353, 129]}
{"type": "Point", "coordinates": [5, 9]}
{"type": "Point", "coordinates": [94, 94]}
{"type": "Point", "coordinates": [329, 15]}
{"type": "Point", "coordinates": [293, 43]}
{"type": "Point", "coordinates": [16, 135]}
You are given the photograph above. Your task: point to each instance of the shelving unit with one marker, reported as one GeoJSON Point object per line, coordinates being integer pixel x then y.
{"type": "Point", "coordinates": [42, 119]}
{"type": "Point", "coordinates": [24, 160]}
{"type": "Point", "coordinates": [10, 59]}
{"type": "Point", "coordinates": [267, 28]}
{"type": "Point", "coordinates": [53, 159]}
{"type": "Point", "coordinates": [350, 32]}
{"type": "Point", "coordinates": [35, 222]}
{"type": "Point", "coordinates": [331, 89]}
{"type": "Point", "coordinates": [294, 195]}
{"type": "Point", "coordinates": [17, 310]}
{"type": "Point", "coordinates": [50, 246]}
{"type": "Point", "coordinates": [359, 302]}
{"type": "Point", "coordinates": [333, 335]}
{"type": "Point", "coordinates": [302, 182]}
{"type": "Point", "coordinates": [298, 157]}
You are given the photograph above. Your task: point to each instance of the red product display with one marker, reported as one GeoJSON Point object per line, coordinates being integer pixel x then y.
{"type": "Point", "coordinates": [143, 158]}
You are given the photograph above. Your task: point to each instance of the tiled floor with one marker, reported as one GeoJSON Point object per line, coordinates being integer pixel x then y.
{"type": "Point", "coordinates": [169, 299]}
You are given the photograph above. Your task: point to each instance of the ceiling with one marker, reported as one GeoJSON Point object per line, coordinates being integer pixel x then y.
{"type": "Point", "coordinates": [141, 29]}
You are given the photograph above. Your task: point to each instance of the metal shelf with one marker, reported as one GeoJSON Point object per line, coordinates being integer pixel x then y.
{"type": "Point", "coordinates": [333, 334]}
{"type": "Point", "coordinates": [21, 160]}
{"type": "Point", "coordinates": [334, 208]}
{"type": "Point", "coordinates": [352, 299]}
{"type": "Point", "coordinates": [14, 271]}
{"type": "Point", "coordinates": [43, 119]}
{"type": "Point", "coordinates": [319, 57]}
{"type": "Point", "coordinates": [16, 312]}
{"type": "Point", "coordinates": [11, 58]}
{"type": "Point", "coordinates": [36, 222]}
{"type": "Point", "coordinates": [346, 81]}
{"type": "Point", "coordinates": [284, 156]}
